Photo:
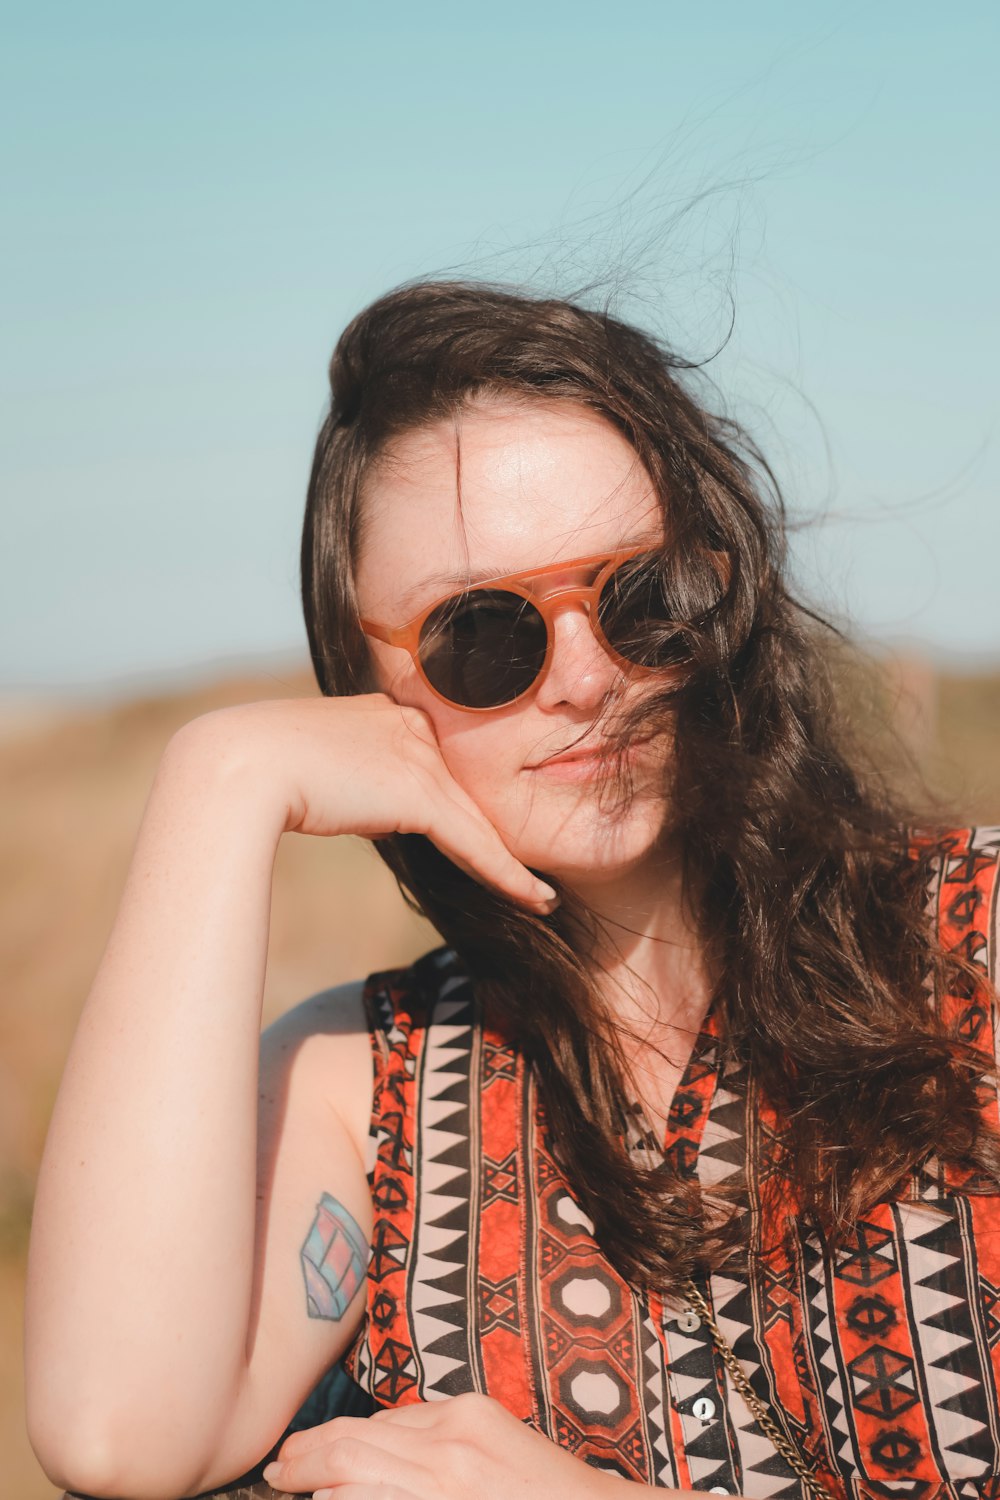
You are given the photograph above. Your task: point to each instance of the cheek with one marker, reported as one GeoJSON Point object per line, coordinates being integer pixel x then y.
{"type": "Point", "coordinates": [483, 757]}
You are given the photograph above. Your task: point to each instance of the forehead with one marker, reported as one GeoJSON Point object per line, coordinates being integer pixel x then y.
{"type": "Point", "coordinates": [500, 487]}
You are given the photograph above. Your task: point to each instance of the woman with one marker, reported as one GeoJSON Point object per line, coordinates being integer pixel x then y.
{"type": "Point", "coordinates": [675, 1167]}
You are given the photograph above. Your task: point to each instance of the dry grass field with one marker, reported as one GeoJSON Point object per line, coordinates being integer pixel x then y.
{"type": "Point", "coordinates": [72, 790]}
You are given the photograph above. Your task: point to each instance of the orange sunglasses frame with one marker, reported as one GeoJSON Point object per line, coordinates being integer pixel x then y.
{"type": "Point", "coordinates": [547, 602]}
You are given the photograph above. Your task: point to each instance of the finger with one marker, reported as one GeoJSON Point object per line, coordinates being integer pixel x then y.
{"type": "Point", "coordinates": [374, 1428]}
{"type": "Point", "coordinates": [377, 1459]}
{"type": "Point", "coordinates": [461, 831]}
{"type": "Point", "coordinates": [365, 1492]}
{"type": "Point", "coordinates": [417, 1414]}
{"type": "Point", "coordinates": [421, 1414]}
{"type": "Point", "coordinates": [309, 1438]}
{"type": "Point", "coordinates": [401, 1435]}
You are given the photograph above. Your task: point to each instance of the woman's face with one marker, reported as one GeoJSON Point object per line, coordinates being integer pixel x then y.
{"type": "Point", "coordinates": [540, 483]}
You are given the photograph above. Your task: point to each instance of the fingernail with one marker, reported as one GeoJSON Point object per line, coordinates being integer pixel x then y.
{"type": "Point", "coordinates": [545, 892]}
{"type": "Point", "coordinates": [271, 1473]}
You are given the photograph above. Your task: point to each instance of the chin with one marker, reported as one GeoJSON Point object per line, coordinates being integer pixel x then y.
{"type": "Point", "coordinates": [605, 853]}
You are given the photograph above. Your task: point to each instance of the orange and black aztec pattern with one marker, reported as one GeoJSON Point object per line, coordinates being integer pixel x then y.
{"type": "Point", "coordinates": [484, 1275]}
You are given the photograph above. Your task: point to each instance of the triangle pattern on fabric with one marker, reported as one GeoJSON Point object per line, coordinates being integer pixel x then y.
{"type": "Point", "coordinates": [439, 1269]}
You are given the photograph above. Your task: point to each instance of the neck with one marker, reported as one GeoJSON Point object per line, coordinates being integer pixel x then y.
{"type": "Point", "coordinates": [652, 967]}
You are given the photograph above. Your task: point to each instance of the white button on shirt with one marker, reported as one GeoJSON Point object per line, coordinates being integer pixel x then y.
{"type": "Point", "coordinates": [703, 1409]}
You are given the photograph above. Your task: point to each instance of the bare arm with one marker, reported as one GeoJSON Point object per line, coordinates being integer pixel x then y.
{"type": "Point", "coordinates": [144, 1217]}
{"type": "Point", "coordinates": [168, 1337]}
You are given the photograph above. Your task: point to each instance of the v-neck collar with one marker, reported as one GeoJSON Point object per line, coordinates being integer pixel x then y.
{"type": "Point", "coordinates": [689, 1107]}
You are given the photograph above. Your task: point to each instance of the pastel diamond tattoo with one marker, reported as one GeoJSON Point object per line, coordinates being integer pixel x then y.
{"type": "Point", "coordinates": [334, 1258]}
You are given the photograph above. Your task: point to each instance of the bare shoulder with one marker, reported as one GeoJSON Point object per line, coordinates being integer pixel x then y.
{"type": "Point", "coordinates": [337, 1011]}
{"type": "Point", "coordinates": [317, 1059]}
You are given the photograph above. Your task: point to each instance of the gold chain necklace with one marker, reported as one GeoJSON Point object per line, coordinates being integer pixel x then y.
{"type": "Point", "coordinates": [641, 1139]}
{"type": "Point", "coordinates": [781, 1440]}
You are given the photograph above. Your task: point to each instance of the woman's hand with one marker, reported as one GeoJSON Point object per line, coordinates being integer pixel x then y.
{"type": "Point", "coordinates": [465, 1448]}
{"type": "Point", "coordinates": [360, 765]}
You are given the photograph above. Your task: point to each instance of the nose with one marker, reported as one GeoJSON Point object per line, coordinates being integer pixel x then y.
{"type": "Point", "coordinates": [581, 673]}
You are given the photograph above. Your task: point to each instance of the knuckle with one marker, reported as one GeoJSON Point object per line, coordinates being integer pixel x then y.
{"type": "Point", "coordinates": [465, 1413]}
{"type": "Point", "coordinates": [418, 723]}
{"type": "Point", "coordinates": [458, 1460]}
{"type": "Point", "coordinates": [470, 1401]}
{"type": "Point", "coordinates": [342, 1458]}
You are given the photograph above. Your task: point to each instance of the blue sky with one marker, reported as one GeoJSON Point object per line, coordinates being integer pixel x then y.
{"type": "Point", "coordinates": [199, 196]}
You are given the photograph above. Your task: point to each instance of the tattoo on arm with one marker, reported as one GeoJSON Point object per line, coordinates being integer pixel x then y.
{"type": "Point", "coordinates": [334, 1258]}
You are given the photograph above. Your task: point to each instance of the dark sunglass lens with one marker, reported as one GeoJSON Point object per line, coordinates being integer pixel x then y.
{"type": "Point", "coordinates": [484, 648]}
{"type": "Point", "coordinates": [637, 618]}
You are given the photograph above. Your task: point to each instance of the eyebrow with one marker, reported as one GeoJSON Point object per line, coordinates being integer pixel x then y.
{"type": "Point", "coordinates": [446, 582]}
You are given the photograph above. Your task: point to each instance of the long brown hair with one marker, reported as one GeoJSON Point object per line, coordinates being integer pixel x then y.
{"type": "Point", "coordinates": [807, 888]}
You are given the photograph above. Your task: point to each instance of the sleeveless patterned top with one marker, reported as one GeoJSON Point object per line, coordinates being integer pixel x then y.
{"type": "Point", "coordinates": [882, 1359]}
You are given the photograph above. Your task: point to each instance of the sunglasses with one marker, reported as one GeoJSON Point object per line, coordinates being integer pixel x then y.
{"type": "Point", "coordinates": [490, 644]}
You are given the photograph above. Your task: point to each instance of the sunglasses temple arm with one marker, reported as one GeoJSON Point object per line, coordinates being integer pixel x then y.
{"type": "Point", "coordinates": [380, 632]}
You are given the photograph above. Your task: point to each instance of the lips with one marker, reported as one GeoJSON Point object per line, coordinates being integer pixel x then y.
{"type": "Point", "coordinates": [578, 752]}
{"type": "Point", "coordinates": [594, 751]}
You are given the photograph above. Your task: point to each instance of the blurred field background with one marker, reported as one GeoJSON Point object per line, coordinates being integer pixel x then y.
{"type": "Point", "coordinates": [72, 789]}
